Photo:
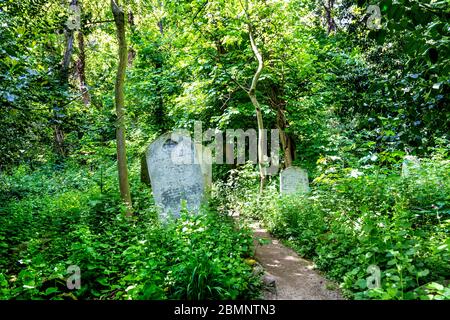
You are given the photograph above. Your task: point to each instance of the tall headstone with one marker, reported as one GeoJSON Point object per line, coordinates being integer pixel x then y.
{"type": "Point", "coordinates": [409, 165]}
{"type": "Point", "coordinates": [294, 180]}
{"type": "Point", "coordinates": [175, 174]}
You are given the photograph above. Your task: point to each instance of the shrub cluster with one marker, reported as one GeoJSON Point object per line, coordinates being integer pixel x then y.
{"type": "Point", "coordinates": [48, 224]}
{"type": "Point", "coordinates": [355, 219]}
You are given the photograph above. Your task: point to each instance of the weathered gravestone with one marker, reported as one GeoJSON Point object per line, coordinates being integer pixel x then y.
{"type": "Point", "coordinates": [410, 165]}
{"type": "Point", "coordinates": [175, 174]}
{"type": "Point", "coordinates": [294, 180]}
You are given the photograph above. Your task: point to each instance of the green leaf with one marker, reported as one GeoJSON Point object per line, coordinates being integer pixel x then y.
{"type": "Point", "coordinates": [51, 290]}
{"type": "Point", "coordinates": [436, 286]}
{"type": "Point", "coordinates": [423, 273]}
{"type": "Point", "coordinates": [103, 281]}
{"type": "Point", "coordinates": [361, 283]}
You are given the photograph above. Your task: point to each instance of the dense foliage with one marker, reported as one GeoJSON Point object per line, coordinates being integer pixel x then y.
{"type": "Point", "coordinates": [196, 257]}
{"type": "Point", "coordinates": [355, 218]}
{"type": "Point", "coordinates": [352, 93]}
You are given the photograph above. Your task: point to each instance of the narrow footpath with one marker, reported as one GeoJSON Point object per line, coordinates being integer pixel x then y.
{"type": "Point", "coordinates": [288, 276]}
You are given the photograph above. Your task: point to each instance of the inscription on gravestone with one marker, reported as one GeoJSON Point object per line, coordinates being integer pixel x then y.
{"type": "Point", "coordinates": [294, 180]}
{"type": "Point", "coordinates": [174, 174]}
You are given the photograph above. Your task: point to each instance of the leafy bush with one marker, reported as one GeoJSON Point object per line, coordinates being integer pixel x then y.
{"type": "Point", "coordinates": [199, 256]}
{"type": "Point", "coordinates": [352, 221]}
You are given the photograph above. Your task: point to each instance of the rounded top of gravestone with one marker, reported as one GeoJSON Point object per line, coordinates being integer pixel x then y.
{"type": "Point", "coordinates": [176, 146]}
{"type": "Point", "coordinates": [293, 168]}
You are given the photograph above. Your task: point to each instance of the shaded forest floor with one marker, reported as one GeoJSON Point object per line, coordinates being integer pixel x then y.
{"type": "Point", "coordinates": [54, 218]}
{"type": "Point", "coordinates": [59, 216]}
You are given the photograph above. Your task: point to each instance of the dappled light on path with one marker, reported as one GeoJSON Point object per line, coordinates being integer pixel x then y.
{"type": "Point", "coordinates": [294, 277]}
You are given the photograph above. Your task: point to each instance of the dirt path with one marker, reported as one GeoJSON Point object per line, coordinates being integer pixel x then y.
{"type": "Point", "coordinates": [290, 276]}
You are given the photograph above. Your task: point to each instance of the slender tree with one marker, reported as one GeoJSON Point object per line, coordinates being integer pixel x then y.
{"type": "Point", "coordinates": [64, 82]}
{"type": "Point", "coordinates": [278, 103]}
{"type": "Point", "coordinates": [252, 95]}
{"type": "Point", "coordinates": [81, 69]}
{"type": "Point", "coordinates": [255, 102]}
{"type": "Point", "coordinates": [119, 19]}
{"type": "Point", "coordinates": [331, 24]}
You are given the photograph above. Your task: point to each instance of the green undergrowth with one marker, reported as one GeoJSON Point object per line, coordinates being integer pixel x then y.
{"type": "Point", "coordinates": [73, 217]}
{"type": "Point", "coordinates": [356, 222]}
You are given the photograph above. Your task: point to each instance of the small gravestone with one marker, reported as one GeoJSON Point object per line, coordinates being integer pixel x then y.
{"type": "Point", "coordinates": [175, 174]}
{"type": "Point", "coordinates": [294, 180]}
{"type": "Point", "coordinates": [409, 165]}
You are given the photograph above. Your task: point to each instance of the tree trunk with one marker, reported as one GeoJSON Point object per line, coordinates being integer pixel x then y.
{"type": "Point", "coordinates": [119, 19]}
{"type": "Point", "coordinates": [278, 104]}
{"type": "Point", "coordinates": [81, 67]}
{"type": "Point", "coordinates": [328, 16]}
{"type": "Point", "coordinates": [160, 21]}
{"type": "Point", "coordinates": [131, 51]}
{"type": "Point", "coordinates": [160, 114]}
{"type": "Point", "coordinates": [64, 81]}
{"type": "Point", "coordinates": [259, 118]}
{"type": "Point", "coordinates": [68, 50]}
{"type": "Point", "coordinates": [284, 139]}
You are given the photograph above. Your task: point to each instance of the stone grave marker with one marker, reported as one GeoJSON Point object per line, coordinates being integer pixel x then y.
{"type": "Point", "coordinates": [294, 180]}
{"type": "Point", "coordinates": [175, 175]}
{"type": "Point", "coordinates": [409, 165]}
